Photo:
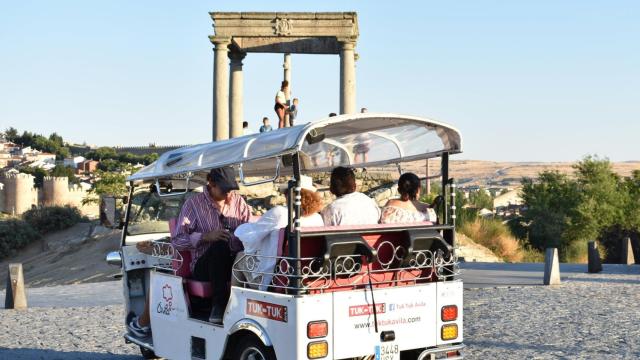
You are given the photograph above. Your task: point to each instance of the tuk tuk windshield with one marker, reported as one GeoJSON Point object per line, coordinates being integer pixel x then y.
{"type": "Point", "coordinates": [150, 212]}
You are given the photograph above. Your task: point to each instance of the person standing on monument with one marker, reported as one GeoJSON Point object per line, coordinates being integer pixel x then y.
{"type": "Point", "coordinates": [265, 125]}
{"type": "Point", "coordinates": [293, 111]}
{"type": "Point", "coordinates": [281, 103]}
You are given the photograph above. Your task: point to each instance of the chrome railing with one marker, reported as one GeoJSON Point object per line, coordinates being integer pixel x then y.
{"type": "Point", "coordinates": [393, 266]}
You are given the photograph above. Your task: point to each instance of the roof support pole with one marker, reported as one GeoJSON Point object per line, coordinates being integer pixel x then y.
{"type": "Point", "coordinates": [236, 93]}
{"type": "Point", "coordinates": [220, 89]}
{"type": "Point", "coordinates": [287, 77]}
{"type": "Point", "coordinates": [347, 78]}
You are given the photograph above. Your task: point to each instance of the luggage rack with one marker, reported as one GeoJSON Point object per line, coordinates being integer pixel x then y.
{"type": "Point", "coordinates": [167, 259]}
{"type": "Point", "coordinates": [393, 265]}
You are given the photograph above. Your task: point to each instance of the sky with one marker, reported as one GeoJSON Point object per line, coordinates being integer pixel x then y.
{"type": "Point", "coordinates": [523, 81]}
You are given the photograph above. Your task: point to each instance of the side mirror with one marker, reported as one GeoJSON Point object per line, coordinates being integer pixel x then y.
{"type": "Point", "coordinates": [114, 258]}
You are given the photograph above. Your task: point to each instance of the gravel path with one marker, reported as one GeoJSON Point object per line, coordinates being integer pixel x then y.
{"type": "Point", "coordinates": [588, 317]}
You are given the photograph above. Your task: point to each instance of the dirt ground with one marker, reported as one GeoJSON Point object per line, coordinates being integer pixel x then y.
{"type": "Point", "coordinates": [72, 256]}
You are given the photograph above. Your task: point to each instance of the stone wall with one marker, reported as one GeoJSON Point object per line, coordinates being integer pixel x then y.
{"type": "Point", "coordinates": [18, 194]}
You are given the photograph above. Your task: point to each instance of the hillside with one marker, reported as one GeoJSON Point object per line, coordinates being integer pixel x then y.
{"type": "Point", "coordinates": [72, 256]}
{"type": "Point", "coordinates": [479, 172]}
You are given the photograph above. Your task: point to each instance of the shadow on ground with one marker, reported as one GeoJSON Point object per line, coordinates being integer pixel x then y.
{"type": "Point", "coordinates": [44, 354]}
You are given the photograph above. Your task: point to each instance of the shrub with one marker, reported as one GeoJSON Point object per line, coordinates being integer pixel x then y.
{"type": "Point", "coordinates": [54, 218]}
{"type": "Point", "coordinates": [15, 234]}
{"type": "Point", "coordinates": [496, 236]}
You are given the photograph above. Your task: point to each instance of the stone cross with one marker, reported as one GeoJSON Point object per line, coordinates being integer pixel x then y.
{"type": "Point", "coordinates": [15, 297]}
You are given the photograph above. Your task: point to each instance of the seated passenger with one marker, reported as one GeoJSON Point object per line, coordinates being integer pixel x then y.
{"type": "Point", "coordinates": [206, 225]}
{"type": "Point", "coordinates": [408, 208]}
{"type": "Point", "coordinates": [261, 237]}
{"type": "Point", "coordinates": [350, 207]}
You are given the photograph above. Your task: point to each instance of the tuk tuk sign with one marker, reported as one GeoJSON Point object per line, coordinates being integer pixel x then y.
{"type": "Point", "coordinates": [267, 310]}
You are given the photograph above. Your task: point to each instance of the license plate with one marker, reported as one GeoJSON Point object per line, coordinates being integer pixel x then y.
{"type": "Point", "coordinates": [387, 351]}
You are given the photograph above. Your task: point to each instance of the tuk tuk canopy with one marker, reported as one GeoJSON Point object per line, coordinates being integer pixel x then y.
{"type": "Point", "coordinates": [356, 140]}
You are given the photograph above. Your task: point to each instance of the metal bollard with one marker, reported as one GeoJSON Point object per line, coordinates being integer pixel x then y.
{"type": "Point", "coordinates": [15, 297]}
{"type": "Point", "coordinates": [551, 267]}
{"type": "Point", "coordinates": [595, 264]}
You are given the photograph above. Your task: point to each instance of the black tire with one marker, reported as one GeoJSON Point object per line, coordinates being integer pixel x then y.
{"type": "Point", "coordinates": [147, 354]}
{"type": "Point", "coordinates": [251, 348]}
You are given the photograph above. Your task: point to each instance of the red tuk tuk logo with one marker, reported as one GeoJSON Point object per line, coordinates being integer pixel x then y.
{"type": "Point", "coordinates": [167, 294]}
{"type": "Point", "coordinates": [362, 310]}
{"type": "Point", "coordinates": [267, 310]}
{"type": "Point", "coordinates": [165, 307]}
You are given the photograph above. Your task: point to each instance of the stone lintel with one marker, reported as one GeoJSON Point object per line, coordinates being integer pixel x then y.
{"type": "Point", "coordinates": [289, 15]}
{"type": "Point", "coordinates": [272, 28]}
{"type": "Point", "coordinates": [301, 45]}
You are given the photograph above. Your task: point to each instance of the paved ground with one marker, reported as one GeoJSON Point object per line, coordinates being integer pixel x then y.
{"type": "Point", "coordinates": [589, 316]}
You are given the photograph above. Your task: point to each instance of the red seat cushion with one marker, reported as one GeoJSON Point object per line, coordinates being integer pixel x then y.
{"type": "Point", "coordinates": [200, 289]}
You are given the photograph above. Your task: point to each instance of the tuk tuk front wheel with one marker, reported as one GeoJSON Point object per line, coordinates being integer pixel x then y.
{"type": "Point", "coordinates": [147, 354]}
{"type": "Point", "coordinates": [251, 348]}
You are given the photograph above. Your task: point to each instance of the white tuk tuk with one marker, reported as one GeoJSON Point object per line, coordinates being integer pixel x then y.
{"type": "Point", "coordinates": [387, 291]}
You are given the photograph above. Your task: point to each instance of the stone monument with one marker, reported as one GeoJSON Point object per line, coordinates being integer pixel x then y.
{"type": "Point", "coordinates": [237, 34]}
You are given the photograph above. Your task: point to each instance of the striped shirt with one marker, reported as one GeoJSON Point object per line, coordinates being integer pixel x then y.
{"type": "Point", "coordinates": [199, 216]}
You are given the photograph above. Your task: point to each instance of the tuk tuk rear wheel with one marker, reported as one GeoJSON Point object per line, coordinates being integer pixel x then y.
{"type": "Point", "coordinates": [147, 354]}
{"type": "Point", "coordinates": [251, 348]}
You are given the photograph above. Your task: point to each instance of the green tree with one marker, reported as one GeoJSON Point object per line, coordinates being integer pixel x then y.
{"type": "Point", "coordinates": [108, 183]}
{"type": "Point", "coordinates": [65, 171]}
{"type": "Point", "coordinates": [551, 203]}
{"type": "Point", "coordinates": [11, 134]}
{"type": "Point", "coordinates": [481, 200]}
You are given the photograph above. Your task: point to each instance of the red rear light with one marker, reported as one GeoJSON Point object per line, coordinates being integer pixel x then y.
{"type": "Point", "coordinates": [317, 329]}
{"type": "Point", "coordinates": [451, 354]}
{"type": "Point", "coordinates": [449, 313]}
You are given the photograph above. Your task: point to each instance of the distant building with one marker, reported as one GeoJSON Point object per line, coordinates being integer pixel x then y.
{"type": "Point", "coordinates": [87, 167]}
{"type": "Point", "coordinates": [73, 162]}
{"type": "Point", "coordinates": [508, 199]}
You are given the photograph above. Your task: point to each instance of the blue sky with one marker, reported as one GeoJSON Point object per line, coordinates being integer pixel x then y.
{"type": "Point", "coordinates": [523, 81]}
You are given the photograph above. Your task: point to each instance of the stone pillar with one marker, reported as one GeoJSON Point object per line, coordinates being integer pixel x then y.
{"type": "Point", "coordinates": [551, 267]}
{"type": "Point", "coordinates": [594, 264]}
{"type": "Point", "coordinates": [347, 78]}
{"type": "Point", "coordinates": [15, 297]}
{"type": "Point", "coordinates": [627, 252]}
{"type": "Point", "coordinates": [287, 76]}
{"type": "Point", "coordinates": [220, 89]}
{"type": "Point", "coordinates": [236, 93]}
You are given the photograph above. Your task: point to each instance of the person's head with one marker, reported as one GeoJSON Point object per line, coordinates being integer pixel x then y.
{"type": "Point", "coordinates": [332, 114]}
{"type": "Point", "coordinates": [245, 124]}
{"type": "Point", "coordinates": [284, 84]}
{"type": "Point", "coordinates": [343, 181]}
{"type": "Point", "coordinates": [311, 202]}
{"type": "Point", "coordinates": [409, 186]}
{"type": "Point", "coordinates": [265, 121]}
{"type": "Point", "coordinates": [295, 101]}
{"type": "Point", "coordinates": [220, 182]}
{"type": "Point", "coordinates": [364, 110]}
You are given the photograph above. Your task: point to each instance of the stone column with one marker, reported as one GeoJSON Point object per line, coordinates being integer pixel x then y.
{"type": "Point", "coordinates": [220, 89]}
{"type": "Point", "coordinates": [287, 76]}
{"type": "Point", "coordinates": [347, 78]}
{"type": "Point", "coordinates": [236, 93]}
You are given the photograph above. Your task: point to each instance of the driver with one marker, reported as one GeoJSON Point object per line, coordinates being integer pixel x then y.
{"type": "Point", "coordinates": [206, 225]}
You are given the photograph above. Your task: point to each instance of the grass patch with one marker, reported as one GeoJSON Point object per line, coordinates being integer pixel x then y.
{"type": "Point", "coordinates": [495, 236]}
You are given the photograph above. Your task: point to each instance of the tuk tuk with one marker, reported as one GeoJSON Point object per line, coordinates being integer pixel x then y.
{"type": "Point", "coordinates": [384, 291]}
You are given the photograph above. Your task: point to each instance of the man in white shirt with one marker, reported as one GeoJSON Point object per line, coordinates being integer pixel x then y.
{"type": "Point", "coordinates": [350, 207]}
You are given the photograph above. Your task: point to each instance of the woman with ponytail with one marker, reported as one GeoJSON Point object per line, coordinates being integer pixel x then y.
{"type": "Point", "coordinates": [408, 208]}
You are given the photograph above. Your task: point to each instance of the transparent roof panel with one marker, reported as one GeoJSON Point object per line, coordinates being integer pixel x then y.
{"type": "Point", "coordinates": [357, 140]}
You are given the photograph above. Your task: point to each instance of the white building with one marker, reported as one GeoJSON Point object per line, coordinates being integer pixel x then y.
{"type": "Point", "coordinates": [74, 161]}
